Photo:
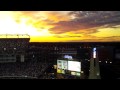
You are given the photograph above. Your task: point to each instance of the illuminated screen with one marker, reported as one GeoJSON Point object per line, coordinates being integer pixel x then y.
{"type": "Point", "coordinates": [62, 64]}
{"type": "Point", "coordinates": [74, 66]}
{"type": "Point", "coordinates": [59, 64]}
{"type": "Point", "coordinates": [77, 74]}
{"type": "Point", "coordinates": [60, 71]}
{"type": "Point", "coordinates": [63, 71]}
{"type": "Point", "coordinates": [73, 73]}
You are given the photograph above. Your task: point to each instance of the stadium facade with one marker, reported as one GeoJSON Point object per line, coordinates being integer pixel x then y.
{"type": "Point", "coordinates": [13, 47]}
{"type": "Point", "coordinates": [17, 48]}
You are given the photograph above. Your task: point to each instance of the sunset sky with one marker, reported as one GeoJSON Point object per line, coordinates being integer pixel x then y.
{"type": "Point", "coordinates": [63, 26]}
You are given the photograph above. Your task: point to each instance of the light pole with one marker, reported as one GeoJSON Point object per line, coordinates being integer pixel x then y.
{"type": "Point", "coordinates": [94, 72]}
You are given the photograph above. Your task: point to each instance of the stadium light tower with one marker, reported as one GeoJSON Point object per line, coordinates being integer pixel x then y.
{"type": "Point", "coordinates": [94, 65]}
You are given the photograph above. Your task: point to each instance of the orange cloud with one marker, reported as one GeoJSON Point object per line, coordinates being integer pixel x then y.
{"type": "Point", "coordinates": [60, 26]}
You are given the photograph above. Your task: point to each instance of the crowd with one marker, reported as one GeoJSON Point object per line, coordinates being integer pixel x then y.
{"type": "Point", "coordinates": [25, 69]}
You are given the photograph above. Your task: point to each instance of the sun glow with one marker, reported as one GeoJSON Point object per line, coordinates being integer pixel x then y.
{"type": "Point", "coordinates": [8, 25]}
{"type": "Point", "coordinates": [55, 26]}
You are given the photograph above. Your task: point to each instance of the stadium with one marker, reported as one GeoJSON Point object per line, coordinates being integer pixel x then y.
{"type": "Point", "coordinates": [21, 59]}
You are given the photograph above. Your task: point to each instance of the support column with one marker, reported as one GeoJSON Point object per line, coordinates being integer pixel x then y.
{"type": "Point", "coordinates": [97, 67]}
{"type": "Point", "coordinates": [94, 72]}
{"type": "Point", "coordinates": [92, 69]}
{"type": "Point", "coordinates": [22, 58]}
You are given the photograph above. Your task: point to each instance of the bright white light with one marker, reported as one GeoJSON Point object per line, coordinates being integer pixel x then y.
{"type": "Point", "coordinates": [106, 61]}
{"type": "Point", "coordinates": [98, 74]}
{"type": "Point", "coordinates": [4, 48]}
{"type": "Point", "coordinates": [99, 61]}
{"type": "Point", "coordinates": [94, 52]}
{"type": "Point", "coordinates": [110, 62]}
{"type": "Point", "coordinates": [82, 71]}
{"type": "Point", "coordinates": [14, 48]}
{"type": "Point", "coordinates": [73, 73]}
{"type": "Point", "coordinates": [74, 66]}
{"type": "Point", "coordinates": [68, 57]}
{"type": "Point", "coordinates": [33, 56]}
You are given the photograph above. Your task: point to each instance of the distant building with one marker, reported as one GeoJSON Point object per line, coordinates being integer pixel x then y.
{"type": "Point", "coordinates": [13, 47]}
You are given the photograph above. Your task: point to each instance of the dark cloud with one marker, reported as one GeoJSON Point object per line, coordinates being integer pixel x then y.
{"type": "Point", "coordinates": [86, 20]}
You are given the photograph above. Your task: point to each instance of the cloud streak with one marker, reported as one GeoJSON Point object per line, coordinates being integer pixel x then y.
{"type": "Point", "coordinates": [87, 20]}
{"type": "Point", "coordinates": [63, 25]}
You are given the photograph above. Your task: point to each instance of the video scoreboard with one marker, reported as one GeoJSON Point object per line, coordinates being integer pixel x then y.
{"type": "Point", "coordinates": [69, 67]}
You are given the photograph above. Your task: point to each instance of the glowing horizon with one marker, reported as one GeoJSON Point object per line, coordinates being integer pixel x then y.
{"type": "Point", "coordinates": [63, 26]}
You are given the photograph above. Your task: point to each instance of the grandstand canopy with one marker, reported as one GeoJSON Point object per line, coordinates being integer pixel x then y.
{"type": "Point", "coordinates": [14, 36]}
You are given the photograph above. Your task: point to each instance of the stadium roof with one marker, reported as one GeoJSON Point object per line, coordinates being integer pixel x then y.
{"type": "Point", "coordinates": [14, 36]}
